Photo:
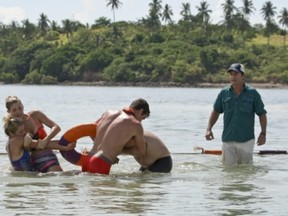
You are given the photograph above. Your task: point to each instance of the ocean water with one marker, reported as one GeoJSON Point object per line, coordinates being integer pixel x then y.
{"type": "Point", "coordinates": [198, 183]}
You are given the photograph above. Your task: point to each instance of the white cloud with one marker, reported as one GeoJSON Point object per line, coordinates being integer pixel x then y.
{"type": "Point", "coordinates": [9, 14]}
{"type": "Point", "coordinates": [90, 11]}
{"type": "Point", "coordinates": [217, 13]}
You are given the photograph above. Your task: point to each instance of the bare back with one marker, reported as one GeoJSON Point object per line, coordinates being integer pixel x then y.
{"type": "Point", "coordinates": [156, 149]}
{"type": "Point", "coordinates": [16, 147]}
{"type": "Point", "coordinates": [114, 130]}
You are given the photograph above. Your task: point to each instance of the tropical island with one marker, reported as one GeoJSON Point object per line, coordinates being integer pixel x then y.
{"type": "Point", "coordinates": [153, 51]}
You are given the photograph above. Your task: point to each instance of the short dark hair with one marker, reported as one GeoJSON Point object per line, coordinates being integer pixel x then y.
{"type": "Point", "coordinates": [141, 104]}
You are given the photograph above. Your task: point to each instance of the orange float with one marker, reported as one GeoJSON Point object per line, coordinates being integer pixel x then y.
{"type": "Point", "coordinates": [72, 135]}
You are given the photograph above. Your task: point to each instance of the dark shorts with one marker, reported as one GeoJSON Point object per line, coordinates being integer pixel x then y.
{"type": "Point", "coordinates": [162, 165]}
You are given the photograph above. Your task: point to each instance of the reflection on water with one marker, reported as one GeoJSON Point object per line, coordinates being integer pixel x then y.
{"type": "Point", "coordinates": [237, 194]}
{"type": "Point", "coordinates": [198, 184]}
{"type": "Point", "coordinates": [133, 195]}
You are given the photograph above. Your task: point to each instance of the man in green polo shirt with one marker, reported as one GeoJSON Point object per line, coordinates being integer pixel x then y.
{"type": "Point", "coordinates": [239, 103]}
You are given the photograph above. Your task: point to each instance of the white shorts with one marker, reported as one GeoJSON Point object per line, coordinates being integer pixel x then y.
{"type": "Point", "coordinates": [238, 152]}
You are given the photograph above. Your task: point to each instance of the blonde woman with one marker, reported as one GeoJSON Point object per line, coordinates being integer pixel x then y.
{"type": "Point", "coordinates": [43, 159]}
{"type": "Point", "coordinates": [20, 144]}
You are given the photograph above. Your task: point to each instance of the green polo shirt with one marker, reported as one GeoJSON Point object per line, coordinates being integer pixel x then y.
{"type": "Point", "coordinates": [239, 113]}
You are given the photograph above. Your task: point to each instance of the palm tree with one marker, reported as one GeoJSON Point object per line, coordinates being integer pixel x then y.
{"type": "Point", "coordinates": [155, 7]}
{"type": "Point", "coordinates": [247, 8]}
{"type": "Point", "coordinates": [115, 4]}
{"type": "Point", "coordinates": [154, 13]}
{"type": "Point", "coordinates": [245, 11]}
{"type": "Point", "coordinates": [55, 26]}
{"type": "Point", "coordinates": [268, 11]}
{"type": "Point", "coordinates": [228, 9]}
{"type": "Point", "coordinates": [283, 20]}
{"type": "Point", "coordinates": [67, 27]}
{"type": "Point", "coordinates": [167, 13]}
{"type": "Point", "coordinates": [14, 26]}
{"type": "Point", "coordinates": [43, 23]}
{"type": "Point", "coordinates": [203, 13]}
{"type": "Point", "coordinates": [28, 28]}
{"type": "Point", "coordinates": [186, 11]}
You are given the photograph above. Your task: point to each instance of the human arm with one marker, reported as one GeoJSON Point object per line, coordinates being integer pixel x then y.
{"type": "Point", "coordinates": [263, 124]}
{"type": "Point", "coordinates": [128, 149]}
{"type": "Point", "coordinates": [55, 128]}
{"type": "Point", "coordinates": [54, 144]}
{"type": "Point", "coordinates": [131, 151]}
{"type": "Point", "coordinates": [212, 120]}
{"type": "Point", "coordinates": [139, 149]}
{"type": "Point", "coordinates": [29, 144]}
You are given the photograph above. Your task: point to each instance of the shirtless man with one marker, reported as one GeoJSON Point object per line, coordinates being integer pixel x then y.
{"type": "Point", "coordinates": [114, 130]}
{"type": "Point", "coordinates": [157, 158]}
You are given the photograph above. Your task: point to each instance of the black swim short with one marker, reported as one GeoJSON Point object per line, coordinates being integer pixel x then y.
{"type": "Point", "coordinates": [162, 165]}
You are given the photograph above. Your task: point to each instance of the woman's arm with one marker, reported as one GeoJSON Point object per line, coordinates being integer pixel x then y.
{"type": "Point", "coordinates": [54, 144]}
{"type": "Point", "coordinates": [55, 128]}
{"type": "Point", "coordinates": [30, 144]}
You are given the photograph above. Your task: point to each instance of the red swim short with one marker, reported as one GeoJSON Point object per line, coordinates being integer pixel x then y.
{"type": "Point", "coordinates": [97, 164]}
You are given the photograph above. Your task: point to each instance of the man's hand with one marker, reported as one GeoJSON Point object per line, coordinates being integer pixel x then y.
{"type": "Point", "coordinates": [209, 135]}
{"type": "Point", "coordinates": [261, 139]}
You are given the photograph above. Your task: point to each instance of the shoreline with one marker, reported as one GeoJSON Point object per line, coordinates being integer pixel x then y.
{"type": "Point", "coordinates": [171, 84]}
{"type": "Point", "coordinates": [162, 84]}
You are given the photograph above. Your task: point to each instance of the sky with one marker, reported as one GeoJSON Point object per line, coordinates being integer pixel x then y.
{"type": "Point", "coordinates": [87, 11]}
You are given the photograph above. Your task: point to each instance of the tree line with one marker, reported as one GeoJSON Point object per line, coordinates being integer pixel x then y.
{"type": "Point", "coordinates": [151, 50]}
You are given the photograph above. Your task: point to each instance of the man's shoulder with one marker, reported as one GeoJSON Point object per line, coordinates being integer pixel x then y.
{"type": "Point", "coordinates": [251, 90]}
{"type": "Point", "coordinates": [129, 119]}
{"type": "Point", "coordinates": [225, 91]}
{"type": "Point", "coordinates": [110, 114]}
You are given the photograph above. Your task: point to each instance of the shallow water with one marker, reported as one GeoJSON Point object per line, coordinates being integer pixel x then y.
{"type": "Point", "coordinates": [197, 185]}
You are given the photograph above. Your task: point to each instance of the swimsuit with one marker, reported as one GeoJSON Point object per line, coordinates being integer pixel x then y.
{"type": "Point", "coordinates": [97, 164]}
{"type": "Point", "coordinates": [163, 165]}
{"type": "Point", "coordinates": [23, 163]}
{"type": "Point", "coordinates": [47, 158]}
{"type": "Point", "coordinates": [40, 133]}
{"type": "Point", "coordinates": [42, 162]}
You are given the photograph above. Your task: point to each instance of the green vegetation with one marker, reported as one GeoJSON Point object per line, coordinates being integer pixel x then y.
{"type": "Point", "coordinates": [190, 51]}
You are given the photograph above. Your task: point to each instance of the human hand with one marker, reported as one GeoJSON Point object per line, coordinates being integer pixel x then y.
{"type": "Point", "coordinates": [209, 135]}
{"type": "Point", "coordinates": [85, 151]}
{"type": "Point", "coordinates": [261, 139]}
{"type": "Point", "coordinates": [27, 140]}
{"type": "Point", "coordinates": [70, 146]}
{"type": "Point", "coordinates": [199, 148]}
{"type": "Point", "coordinates": [41, 144]}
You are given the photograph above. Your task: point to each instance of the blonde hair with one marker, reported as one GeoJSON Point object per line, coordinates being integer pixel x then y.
{"type": "Point", "coordinates": [11, 124]}
{"type": "Point", "coordinates": [10, 100]}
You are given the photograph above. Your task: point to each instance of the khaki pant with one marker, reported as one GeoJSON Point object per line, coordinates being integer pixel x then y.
{"type": "Point", "coordinates": [238, 153]}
